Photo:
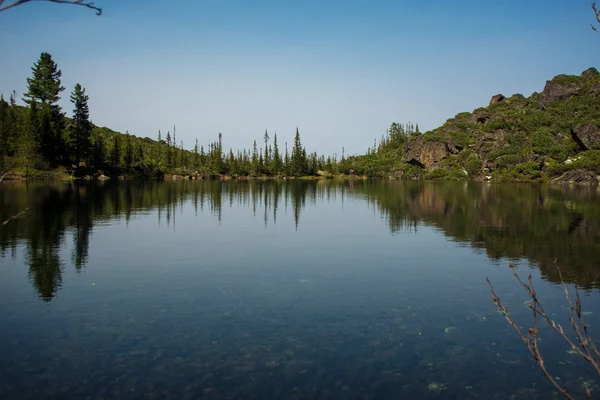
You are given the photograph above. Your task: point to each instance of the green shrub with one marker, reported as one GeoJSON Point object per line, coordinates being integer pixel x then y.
{"type": "Point", "coordinates": [473, 165]}
{"type": "Point", "coordinates": [436, 174]}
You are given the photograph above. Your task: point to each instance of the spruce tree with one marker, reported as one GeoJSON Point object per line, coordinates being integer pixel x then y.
{"type": "Point", "coordinates": [276, 156]}
{"type": "Point", "coordinates": [44, 88]}
{"type": "Point", "coordinates": [169, 152]}
{"type": "Point", "coordinates": [298, 160]}
{"type": "Point", "coordinates": [28, 139]}
{"type": "Point", "coordinates": [80, 126]}
{"type": "Point", "coordinates": [267, 161]}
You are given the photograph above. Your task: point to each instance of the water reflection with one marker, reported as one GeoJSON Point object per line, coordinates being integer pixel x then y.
{"type": "Point", "coordinates": [539, 223]}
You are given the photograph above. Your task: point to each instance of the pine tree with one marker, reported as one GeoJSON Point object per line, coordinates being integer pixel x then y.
{"type": "Point", "coordinates": [298, 160]}
{"type": "Point", "coordinates": [286, 160]}
{"type": "Point", "coordinates": [169, 152]}
{"type": "Point", "coordinates": [254, 157]}
{"type": "Point", "coordinates": [174, 156]}
{"type": "Point", "coordinates": [44, 88]}
{"type": "Point", "coordinates": [276, 156]}
{"type": "Point", "coordinates": [80, 127]}
{"type": "Point", "coordinates": [267, 161]}
{"type": "Point", "coordinates": [29, 141]}
{"type": "Point", "coordinates": [196, 156]}
{"type": "Point", "coordinates": [159, 149]}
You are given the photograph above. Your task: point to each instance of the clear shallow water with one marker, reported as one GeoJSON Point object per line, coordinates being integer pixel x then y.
{"type": "Point", "coordinates": [286, 289]}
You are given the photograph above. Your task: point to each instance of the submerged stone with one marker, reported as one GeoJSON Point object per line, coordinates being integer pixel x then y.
{"type": "Point", "coordinates": [436, 387]}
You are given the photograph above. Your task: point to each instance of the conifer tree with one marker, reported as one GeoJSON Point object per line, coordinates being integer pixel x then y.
{"type": "Point", "coordinates": [29, 141]}
{"type": "Point", "coordinates": [276, 156]}
{"type": "Point", "coordinates": [298, 160]}
{"type": "Point", "coordinates": [169, 152]}
{"type": "Point", "coordinates": [44, 88]}
{"type": "Point", "coordinates": [267, 161]}
{"type": "Point", "coordinates": [80, 126]}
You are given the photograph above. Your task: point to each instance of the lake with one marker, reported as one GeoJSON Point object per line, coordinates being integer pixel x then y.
{"type": "Point", "coordinates": [289, 289]}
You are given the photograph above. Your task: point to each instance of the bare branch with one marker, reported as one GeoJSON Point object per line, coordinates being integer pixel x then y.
{"type": "Point", "coordinates": [584, 347]}
{"type": "Point", "coordinates": [597, 14]}
{"type": "Point", "coordinates": [14, 217]}
{"type": "Point", "coordinates": [74, 2]}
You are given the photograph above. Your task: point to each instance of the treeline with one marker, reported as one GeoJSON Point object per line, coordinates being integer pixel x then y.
{"type": "Point", "coordinates": [385, 156]}
{"type": "Point", "coordinates": [40, 137]}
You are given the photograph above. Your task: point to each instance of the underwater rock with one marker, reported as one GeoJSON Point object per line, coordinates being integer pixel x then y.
{"type": "Point", "coordinates": [436, 387]}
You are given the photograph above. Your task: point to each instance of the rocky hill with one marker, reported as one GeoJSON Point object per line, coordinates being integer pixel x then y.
{"type": "Point", "coordinates": [549, 136]}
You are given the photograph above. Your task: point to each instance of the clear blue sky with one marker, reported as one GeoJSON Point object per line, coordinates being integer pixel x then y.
{"type": "Point", "coordinates": [340, 70]}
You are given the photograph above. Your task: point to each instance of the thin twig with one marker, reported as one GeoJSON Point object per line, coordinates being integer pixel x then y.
{"type": "Point", "coordinates": [597, 13]}
{"type": "Point", "coordinates": [74, 2]}
{"type": "Point", "coordinates": [585, 347]}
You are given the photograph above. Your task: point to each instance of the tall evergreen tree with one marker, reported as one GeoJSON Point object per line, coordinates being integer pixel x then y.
{"type": "Point", "coordinates": [80, 126]}
{"type": "Point", "coordinates": [298, 160]}
{"type": "Point", "coordinates": [44, 88]}
{"type": "Point", "coordinates": [267, 161]}
{"type": "Point", "coordinates": [29, 141]}
{"type": "Point", "coordinates": [196, 155]}
{"type": "Point", "coordinates": [276, 156]}
{"type": "Point", "coordinates": [169, 152]}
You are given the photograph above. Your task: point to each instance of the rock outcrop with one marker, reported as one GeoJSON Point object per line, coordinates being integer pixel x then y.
{"type": "Point", "coordinates": [497, 99]}
{"type": "Point", "coordinates": [587, 136]}
{"type": "Point", "coordinates": [559, 88]}
{"type": "Point", "coordinates": [428, 154]}
{"type": "Point", "coordinates": [480, 115]}
{"type": "Point", "coordinates": [521, 139]}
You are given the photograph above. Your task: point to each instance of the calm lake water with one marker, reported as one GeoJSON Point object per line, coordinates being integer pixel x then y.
{"type": "Point", "coordinates": [288, 290]}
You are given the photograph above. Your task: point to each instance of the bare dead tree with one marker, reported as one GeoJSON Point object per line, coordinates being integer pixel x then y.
{"type": "Point", "coordinates": [583, 345]}
{"type": "Point", "coordinates": [597, 12]}
{"type": "Point", "coordinates": [74, 2]}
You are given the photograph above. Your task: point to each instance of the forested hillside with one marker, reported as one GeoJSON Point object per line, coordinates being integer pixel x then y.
{"type": "Point", "coordinates": [39, 137]}
{"type": "Point", "coordinates": [549, 136]}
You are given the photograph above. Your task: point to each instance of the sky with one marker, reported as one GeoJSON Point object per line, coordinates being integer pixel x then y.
{"type": "Point", "coordinates": [341, 71]}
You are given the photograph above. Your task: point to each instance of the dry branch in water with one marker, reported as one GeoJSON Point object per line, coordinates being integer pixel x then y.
{"type": "Point", "coordinates": [74, 2]}
{"type": "Point", "coordinates": [14, 217]}
{"type": "Point", "coordinates": [583, 346]}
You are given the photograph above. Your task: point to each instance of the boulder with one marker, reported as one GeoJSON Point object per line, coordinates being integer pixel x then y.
{"type": "Point", "coordinates": [497, 99]}
{"type": "Point", "coordinates": [486, 140]}
{"type": "Point", "coordinates": [427, 154]}
{"type": "Point", "coordinates": [413, 151]}
{"type": "Point", "coordinates": [590, 74]}
{"type": "Point", "coordinates": [103, 177]}
{"type": "Point", "coordinates": [432, 153]}
{"type": "Point", "coordinates": [558, 88]}
{"type": "Point", "coordinates": [587, 136]}
{"type": "Point", "coordinates": [480, 115]}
